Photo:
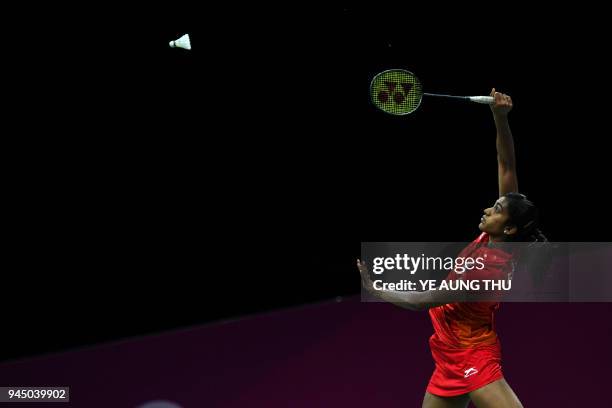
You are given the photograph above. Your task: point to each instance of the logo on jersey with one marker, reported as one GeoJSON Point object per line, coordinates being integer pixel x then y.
{"type": "Point", "coordinates": [470, 371]}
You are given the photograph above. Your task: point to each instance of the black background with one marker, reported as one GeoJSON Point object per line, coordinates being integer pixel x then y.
{"type": "Point", "coordinates": [161, 188]}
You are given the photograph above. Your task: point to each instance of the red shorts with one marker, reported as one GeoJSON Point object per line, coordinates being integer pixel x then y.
{"type": "Point", "coordinates": [462, 370]}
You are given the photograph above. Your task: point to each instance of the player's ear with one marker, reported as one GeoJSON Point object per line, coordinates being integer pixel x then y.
{"type": "Point", "coordinates": [510, 230]}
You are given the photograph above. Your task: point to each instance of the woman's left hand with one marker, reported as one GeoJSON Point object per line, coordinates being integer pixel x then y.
{"type": "Point", "coordinates": [365, 276]}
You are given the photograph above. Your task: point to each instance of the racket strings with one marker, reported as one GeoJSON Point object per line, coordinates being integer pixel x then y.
{"type": "Point", "coordinates": [396, 92]}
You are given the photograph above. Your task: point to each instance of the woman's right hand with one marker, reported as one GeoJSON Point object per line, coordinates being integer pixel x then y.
{"type": "Point", "coordinates": [502, 104]}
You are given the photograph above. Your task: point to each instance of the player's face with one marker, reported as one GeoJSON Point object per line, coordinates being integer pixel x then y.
{"type": "Point", "coordinates": [495, 218]}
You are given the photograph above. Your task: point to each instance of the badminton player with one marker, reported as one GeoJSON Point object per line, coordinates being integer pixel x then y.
{"type": "Point", "coordinates": [464, 346]}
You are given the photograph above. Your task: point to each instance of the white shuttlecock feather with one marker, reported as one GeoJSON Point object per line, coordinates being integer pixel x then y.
{"type": "Point", "coordinates": [182, 42]}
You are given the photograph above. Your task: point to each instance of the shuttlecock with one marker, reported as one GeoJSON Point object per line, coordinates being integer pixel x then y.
{"type": "Point", "coordinates": [182, 42]}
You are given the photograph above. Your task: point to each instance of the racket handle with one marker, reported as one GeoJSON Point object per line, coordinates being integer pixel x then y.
{"type": "Point", "coordinates": [488, 100]}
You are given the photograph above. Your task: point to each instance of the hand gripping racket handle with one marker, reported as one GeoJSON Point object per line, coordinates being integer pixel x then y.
{"type": "Point", "coordinates": [488, 100]}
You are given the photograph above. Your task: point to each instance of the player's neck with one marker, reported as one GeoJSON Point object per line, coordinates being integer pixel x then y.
{"type": "Point", "coordinates": [500, 244]}
{"type": "Point", "coordinates": [495, 240]}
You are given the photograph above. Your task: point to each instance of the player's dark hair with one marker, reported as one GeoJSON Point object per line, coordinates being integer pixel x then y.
{"type": "Point", "coordinates": [524, 215]}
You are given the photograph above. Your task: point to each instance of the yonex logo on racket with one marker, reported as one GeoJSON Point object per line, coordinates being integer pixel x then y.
{"type": "Point", "coordinates": [398, 97]}
{"type": "Point", "coordinates": [396, 91]}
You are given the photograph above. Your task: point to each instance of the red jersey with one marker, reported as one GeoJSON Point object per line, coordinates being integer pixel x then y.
{"type": "Point", "coordinates": [470, 324]}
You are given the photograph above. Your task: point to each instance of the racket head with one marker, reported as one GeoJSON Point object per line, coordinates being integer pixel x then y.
{"type": "Point", "coordinates": [396, 91]}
